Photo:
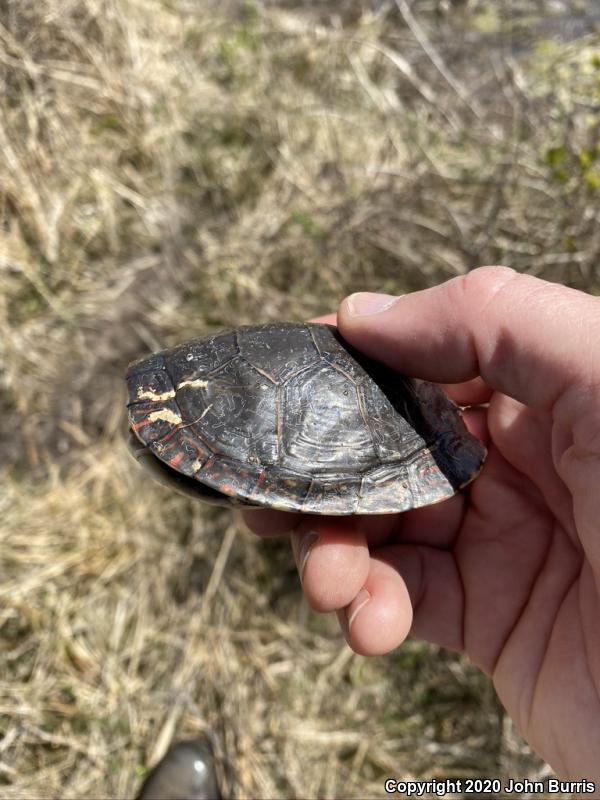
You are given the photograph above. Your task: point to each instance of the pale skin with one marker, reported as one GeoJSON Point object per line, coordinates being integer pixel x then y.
{"type": "Point", "coordinates": [507, 571]}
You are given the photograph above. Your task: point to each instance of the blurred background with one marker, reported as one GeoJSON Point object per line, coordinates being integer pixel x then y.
{"type": "Point", "coordinates": [174, 166]}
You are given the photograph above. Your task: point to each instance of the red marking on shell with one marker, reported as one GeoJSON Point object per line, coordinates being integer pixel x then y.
{"type": "Point", "coordinates": [172, 462]}
{"type": "Point", "coordinates": [137, 425]}
{"type": "Point", "coordinates": [170, 434]}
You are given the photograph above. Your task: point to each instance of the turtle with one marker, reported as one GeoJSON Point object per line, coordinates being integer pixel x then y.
{"type": "Point", "coordinates": [290, 416]}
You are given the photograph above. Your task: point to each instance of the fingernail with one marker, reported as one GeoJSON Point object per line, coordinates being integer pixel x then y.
{"type": "Point", "coordinates": [357, 605]}
{"type": "Point", "coordinates": [302, 544]}
{"type": "Point", "coordinates": [362, 304]}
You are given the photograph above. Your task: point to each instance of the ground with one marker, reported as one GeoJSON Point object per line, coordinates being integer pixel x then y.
{"type": "Point", "coordinates": [168, 168]}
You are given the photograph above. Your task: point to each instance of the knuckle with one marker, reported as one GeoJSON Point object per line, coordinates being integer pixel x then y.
{"type": "Point", "coordinates": [474, 292]}
{"type": "Point", "coordinates": [486, 281]}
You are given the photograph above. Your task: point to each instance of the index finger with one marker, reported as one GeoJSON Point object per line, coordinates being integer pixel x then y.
{"type": "Point", "coordinates": [525, 337]}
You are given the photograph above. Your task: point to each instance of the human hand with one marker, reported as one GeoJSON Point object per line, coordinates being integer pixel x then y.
{"type": "Point", "coordinates": [508, 570]}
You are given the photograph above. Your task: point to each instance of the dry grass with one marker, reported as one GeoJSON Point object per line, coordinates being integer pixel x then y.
{"type": "Point", "coordinates": [169, 166]}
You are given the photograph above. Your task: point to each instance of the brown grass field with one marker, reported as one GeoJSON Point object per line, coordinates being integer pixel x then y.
{"type": "Point", "coordinates": [174, 166]}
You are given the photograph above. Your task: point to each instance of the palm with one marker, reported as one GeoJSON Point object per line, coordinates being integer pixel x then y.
{"type": "Point", "coordinates": [529, 614]}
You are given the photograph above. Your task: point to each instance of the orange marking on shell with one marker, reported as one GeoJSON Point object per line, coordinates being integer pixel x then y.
{"type": "Point", "coordinates": [137, 425]}
{"type": "Point", "coordinates": [172, 462]}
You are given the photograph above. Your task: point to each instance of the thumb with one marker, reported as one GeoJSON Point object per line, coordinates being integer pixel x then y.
{"type": "Point", "coordinates": [525, 337]}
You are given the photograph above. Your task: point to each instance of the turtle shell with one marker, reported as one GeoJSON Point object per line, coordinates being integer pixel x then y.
{"type": "Point", "coordinates": [289, 416]}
